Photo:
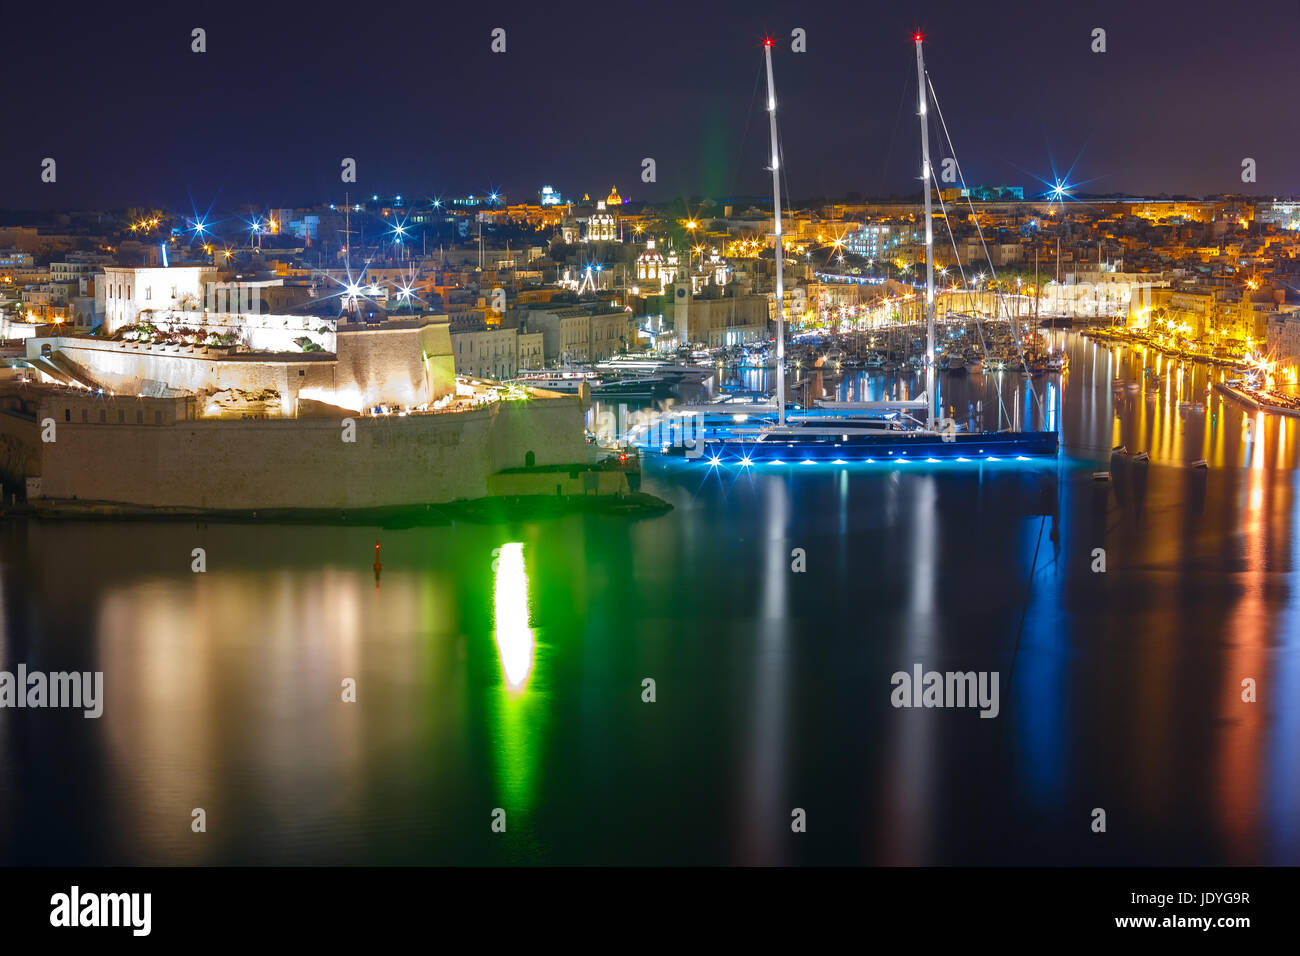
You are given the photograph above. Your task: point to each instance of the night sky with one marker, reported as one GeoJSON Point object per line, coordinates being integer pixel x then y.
{"type": "Point", "coordinates": [1186, 89]}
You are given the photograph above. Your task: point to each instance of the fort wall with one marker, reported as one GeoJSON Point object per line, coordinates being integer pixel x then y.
{"type": "Point", "coordinates": [302, 463]}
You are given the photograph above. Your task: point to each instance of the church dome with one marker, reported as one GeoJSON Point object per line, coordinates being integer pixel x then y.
{"type": "Point", "coordinates": [614, 198]}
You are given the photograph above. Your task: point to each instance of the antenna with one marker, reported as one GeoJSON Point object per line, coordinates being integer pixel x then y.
{"type": "Point", "coordinates": [932, 396]}
{"type": "Point", "coordinates": [347, 231]}
{"type": "Point", "coordinates": [780, 256]}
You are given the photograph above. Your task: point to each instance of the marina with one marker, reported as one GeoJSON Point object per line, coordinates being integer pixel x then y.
{"type": "Point", "coordinates": [908, 429]}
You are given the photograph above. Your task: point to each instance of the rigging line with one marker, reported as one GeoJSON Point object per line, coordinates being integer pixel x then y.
{"type": "Point", "coordinates": [1029, 587]}
{"type": "Point", "coordinates": [984, 245]}
{"type": "Point", "coordinates": [789, 202]}
{"type": "Point", "coordinates": [999, 297]}
{"type": "Point", "coordinates": [744, 136]}
{"type": "Point", "coordinates": [893, 136]}
{"type": "Point", "coordinates": [979, 324]}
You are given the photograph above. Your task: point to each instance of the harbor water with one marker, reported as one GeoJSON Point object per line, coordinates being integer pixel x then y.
{"type": "Point", "coordinates": [673, 690]}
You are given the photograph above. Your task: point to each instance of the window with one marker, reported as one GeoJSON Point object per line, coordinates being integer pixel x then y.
{"type": "Point", "coordinates": [67, 414]}
{"type": "Point", "coordinates": [121, 417]}
{"type": "Point", "coordinates": [85, 415]}
{"type": "Point", "coordinates": [103, 416]}
{"type": "Point", "coordinates": [157, 418]}
{"type": "Point", "coordinates": [139, 418]}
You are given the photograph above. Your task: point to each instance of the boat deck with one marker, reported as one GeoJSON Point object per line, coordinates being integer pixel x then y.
{"type": "Point", "coordinates": [865, 446]}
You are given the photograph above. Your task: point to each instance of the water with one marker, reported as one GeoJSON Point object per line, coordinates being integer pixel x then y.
{"type": "Point", "coordinates": [514, 680]}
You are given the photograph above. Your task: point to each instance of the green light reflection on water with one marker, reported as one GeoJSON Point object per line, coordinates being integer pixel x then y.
{"type": "Point", "coordinates": [516, 642]}
{"type": "Point", "coordinates": [516, 717]}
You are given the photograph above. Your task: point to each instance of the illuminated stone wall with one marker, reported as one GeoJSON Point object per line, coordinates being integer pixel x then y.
{"type": "Point", "coordinates": [304, 463]}
{"type": "Point", "coordinates": [128, 368]}
{"type": "Point", "coordinates": [393, 363]}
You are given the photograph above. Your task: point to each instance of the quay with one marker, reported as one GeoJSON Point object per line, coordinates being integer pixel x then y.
{"type": "Point", "coordinates": [1127, 337]}
{"type": "Point", "coordinates": [1247, 398]}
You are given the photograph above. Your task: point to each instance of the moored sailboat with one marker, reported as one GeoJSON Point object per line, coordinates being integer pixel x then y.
{"type": "Point", "coordinates": [864, 431]}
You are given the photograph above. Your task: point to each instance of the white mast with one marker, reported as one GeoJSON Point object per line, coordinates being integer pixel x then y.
{"type": "Point", "coordinates": [931, 404]}
{"type": "Point", "coordinates": [780, 256]}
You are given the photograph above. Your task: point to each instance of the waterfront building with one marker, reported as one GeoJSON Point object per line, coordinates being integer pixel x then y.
{"type": "Point", "coordinates": [530, 350]}
{"type": "Point", "coordinates": [129, 290]}
{"type": "Point", "coordinates": [1283, 340]}
{"type": "Point", "coordinates": [719, 320]}
{"type": "Point", "coordinates": [486, 353]}
{"type": "Point", "coordinates": [573, 334]}
{"type": "Point", "coordinates": [565, 331]}
{"type": "Point", "coordinates": [610, 333]}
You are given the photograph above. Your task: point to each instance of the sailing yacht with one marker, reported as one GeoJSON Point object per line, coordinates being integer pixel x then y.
{"type": "Point", "coordinates": [839, 432]}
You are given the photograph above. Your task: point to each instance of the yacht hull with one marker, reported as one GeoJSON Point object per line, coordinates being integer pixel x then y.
{"type": "Point", "coordinates": [792, 449]}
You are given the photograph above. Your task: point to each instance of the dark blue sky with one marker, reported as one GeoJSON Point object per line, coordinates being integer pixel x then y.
{"type": "Point", "coordinates": [586, 91]}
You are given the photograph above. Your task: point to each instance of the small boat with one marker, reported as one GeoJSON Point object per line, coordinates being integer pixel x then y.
{"type": "Point", "coordinates": [559, 379]}
{"type": "Point", "coordinates": [570, 380]}
{"type": "Point", "coordinates": [650, 365]}
{"type": "Point", "coordinates": [636, 386]}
